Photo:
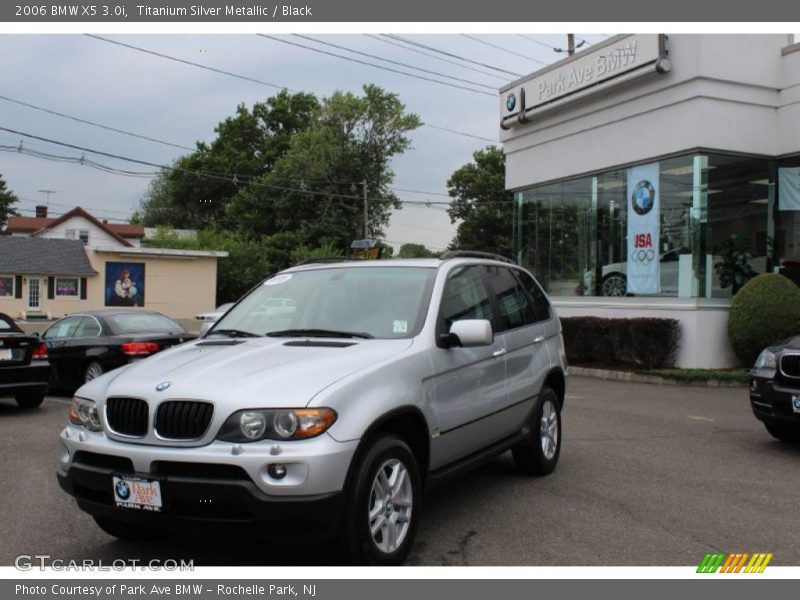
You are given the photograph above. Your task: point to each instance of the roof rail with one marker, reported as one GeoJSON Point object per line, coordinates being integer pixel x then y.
{"type": "Point", "coordinates": [475, 254]}
{"type": "Point", "coordinates": [326, 259]}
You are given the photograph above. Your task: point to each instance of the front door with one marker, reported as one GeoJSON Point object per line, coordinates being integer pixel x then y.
{"type": "Point", "coordinates": [34, 293]}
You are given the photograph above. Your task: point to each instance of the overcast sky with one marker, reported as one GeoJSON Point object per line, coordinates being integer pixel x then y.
{"type": "Point", "coordinates": [181, 104]}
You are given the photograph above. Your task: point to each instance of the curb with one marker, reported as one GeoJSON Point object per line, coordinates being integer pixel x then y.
{"type": "Point", "coordinates": [652, 379]}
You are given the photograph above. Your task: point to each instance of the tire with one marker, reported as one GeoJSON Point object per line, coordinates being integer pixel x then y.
{"type": "Point", "coordinates": [783, 433]}
{"type": "Point", "coordinates": [29, 400]}
{"type": "Point", "coordinates": [614, 285]}
{"type": "Point", "coordinates": [127, 531]}
{"type": "Point", "coordinates": [538, 453]}
{"type": "Point", "coordinates": [382, 462]}
{"type": "Point", "coordinates": [93, 369]}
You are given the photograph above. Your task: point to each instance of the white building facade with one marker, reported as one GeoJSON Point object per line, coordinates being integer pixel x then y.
{"type": "Point", "coordinates": [637, 163]}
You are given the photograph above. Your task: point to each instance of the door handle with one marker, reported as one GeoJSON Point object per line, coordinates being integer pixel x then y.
{"type": "Point", "coordinates": [538, 339]}
{"type": "Point", "coordinates": [498, 353]}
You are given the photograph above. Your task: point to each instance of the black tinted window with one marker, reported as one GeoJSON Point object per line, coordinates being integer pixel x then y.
{"type": "Point", "coordinates": [541, 307]}
{"type": "Point", "coordinates": [465, 297]}
{"type": "Point", "coordinates": [87, 328]}
{"type": "Point", "coordinates": [512, 302]}
{"type": "Point", "coordinates": [133, 322]}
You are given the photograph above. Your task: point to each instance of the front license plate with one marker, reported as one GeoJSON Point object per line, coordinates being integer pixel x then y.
{"type": "Point", "coordinates": [6, 354]}
{"type": "Point", "coordinates": [137, 493]}
{"type": "Point", "coordinates": [796, 403]}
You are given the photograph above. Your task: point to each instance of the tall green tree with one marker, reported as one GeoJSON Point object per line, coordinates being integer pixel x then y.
{"type": "Point", "coordinates": [315, 186]}
{"type": "Point", "coordinates": [482, 203]}
{"type": "Point", "coordinates": [7, 201]}
{"type": "Point", "coordinates": [247, 146]}
{"type": "Point", "coordinates": [411, 250]}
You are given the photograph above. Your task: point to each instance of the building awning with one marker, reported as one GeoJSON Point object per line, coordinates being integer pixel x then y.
{"type": "Point", "coordinates": [39, 256]}
{"type": "Point", "coordinates": [162, 252]}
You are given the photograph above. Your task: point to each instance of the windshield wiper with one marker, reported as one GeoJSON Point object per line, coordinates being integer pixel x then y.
{"type": "Point", "coordinates": [233, 333]}
{"type": "Point", "coordinates": [319, 333]}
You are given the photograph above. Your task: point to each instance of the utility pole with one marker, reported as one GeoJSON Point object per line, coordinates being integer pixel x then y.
{"type": "Point", "coordinates": [366, 210]}
{"type": "Point", "coordinates": [571, 47]}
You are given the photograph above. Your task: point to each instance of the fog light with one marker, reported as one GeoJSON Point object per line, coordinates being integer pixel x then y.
{"type": "Point", "coordinates": [753, 386]}
{"type": "Point", "coordinates": [276, 471]}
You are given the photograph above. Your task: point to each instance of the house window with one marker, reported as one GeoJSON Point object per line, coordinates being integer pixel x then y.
{"type": "Point", "coordinates": [6, 286]}
{"type": "Point", "coordinates": [68, 287]}
{"type": "Point", "coordinates": [77, 234]}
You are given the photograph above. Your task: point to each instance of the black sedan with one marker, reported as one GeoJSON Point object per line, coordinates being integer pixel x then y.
{"type": "Point", "coordinates": [775, 389]}
{"type": "Point", "coordinates": [24, 369]}
{"type": "Point", "coordinates": [85, 345]}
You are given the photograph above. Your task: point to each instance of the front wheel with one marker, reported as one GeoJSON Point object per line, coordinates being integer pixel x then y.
{"type": "Point", "coordinates": [538, 453]}
{"type": "Point", "coordinates": [384, 504]}
{"type": "Point", "coordinates": [783, 432]}
{"type": "Point", "coordinates": [615, 285]}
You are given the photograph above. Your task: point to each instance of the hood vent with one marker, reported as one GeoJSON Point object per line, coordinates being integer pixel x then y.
{"type": "Point", "coordinates": [319, 344]}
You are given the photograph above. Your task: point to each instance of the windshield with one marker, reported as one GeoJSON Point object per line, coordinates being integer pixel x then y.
{"type": "Point", "coordinates": [379, 302]}
{"type": "Point", "coordinates": [142, 323]}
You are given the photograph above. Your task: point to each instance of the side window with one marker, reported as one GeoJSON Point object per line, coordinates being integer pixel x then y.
{"type": "Point", "coordinates": [541, 307]}
{"type": "Point", "coordinates": [64, 328]}
{"type": "Point", "coordinates": [464, 297]}
{"type": "Point", "coordinates": [87, 328]}
{"type": "Point", "coordinates": [512, 302]}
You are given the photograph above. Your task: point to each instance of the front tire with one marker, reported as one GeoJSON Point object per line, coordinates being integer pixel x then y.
{"type": "Point", "coordinates": [29, 400]}
{"type": "Point", "coordinates": [384, 504]}
{"type": "Point", "coordinates": [783, 432]}
{"type": "Point", "coordinates": [538, 453]}
{"type": "Point", "coordinates": [127, 531]}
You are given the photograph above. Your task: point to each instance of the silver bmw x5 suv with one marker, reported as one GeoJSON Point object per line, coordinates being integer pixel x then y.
{"type": "Point", "coordinates": [330, 417]}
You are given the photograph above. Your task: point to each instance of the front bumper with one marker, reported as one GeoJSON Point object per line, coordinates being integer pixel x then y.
{"type": "Point", "coordinates": [220, 483]}
{"type": "Point", "coordinates": [26, 379]}
{"type": "Point", "coordinates": [771, 400]}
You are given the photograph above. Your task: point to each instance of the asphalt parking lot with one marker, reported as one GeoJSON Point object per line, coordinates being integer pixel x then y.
{"type": "Point", "coordinates": [649, 475]}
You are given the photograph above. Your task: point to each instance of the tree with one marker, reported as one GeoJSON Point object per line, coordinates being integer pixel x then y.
{"type": "Point", "coordinates": [7, 201]}
{"type": "Point", "coordinates": [246, 146]}
{"type": "Point", "coordinates": [314, 187]}
{"type": "Point", "coordinates": [482, 204]}
{"type": "Point", "coordinates": [416, 251]}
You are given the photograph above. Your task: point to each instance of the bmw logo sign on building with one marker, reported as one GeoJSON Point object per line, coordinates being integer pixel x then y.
{"type": "Point", "coordinates": [511, 101]}
{"type": "Point", "coordinates": [643, 197]}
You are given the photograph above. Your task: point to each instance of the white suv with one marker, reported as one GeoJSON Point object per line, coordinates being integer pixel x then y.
{"type": "Point", "coordinates": [330, 419]}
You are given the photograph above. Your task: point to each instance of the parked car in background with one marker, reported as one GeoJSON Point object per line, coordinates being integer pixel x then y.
{"type": "Point", "coordinates": [24, 369]}
{"type": "Point", "coordinates": [775, 389]}
{"type": "Point", "coordinates": [215, 314]}
{"type": "Point", "coordinates": [82, 346]}
{"type": "Point", "coordinates": [385, 378]}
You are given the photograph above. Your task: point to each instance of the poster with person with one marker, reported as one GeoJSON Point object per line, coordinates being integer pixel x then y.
{"type": "Point", "coordinates": [124, 284]}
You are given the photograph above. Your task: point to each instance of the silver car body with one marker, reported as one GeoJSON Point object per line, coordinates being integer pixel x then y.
{"type": "Point", "coordinates": [477, 395]}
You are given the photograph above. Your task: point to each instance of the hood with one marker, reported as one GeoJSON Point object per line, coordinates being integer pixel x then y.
{"type": "Point", "coordinates": [249, 373]}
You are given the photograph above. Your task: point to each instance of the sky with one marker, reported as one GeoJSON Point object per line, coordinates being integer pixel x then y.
{"type": "Point", "coordinates": [180, 104]}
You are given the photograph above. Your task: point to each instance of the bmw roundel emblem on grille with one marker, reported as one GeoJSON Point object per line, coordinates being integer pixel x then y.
{"type": "Point", "coordinates": [163, 385]}
{"type": "Point", "coordinates": [123, 491]}
{"type": "Point", "coordinates": [511, 101]}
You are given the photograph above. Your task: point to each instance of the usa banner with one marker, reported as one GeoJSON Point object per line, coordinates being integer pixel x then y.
{"type": "Point", "coordinates": [643, 230]}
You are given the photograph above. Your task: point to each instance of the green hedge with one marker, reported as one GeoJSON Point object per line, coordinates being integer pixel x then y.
{"type": "Point", "coordinates": [765, 311]}
{"type": "Point", "coordinates": [646, 343]}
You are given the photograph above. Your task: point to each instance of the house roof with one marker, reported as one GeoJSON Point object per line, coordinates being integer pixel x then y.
{"type": "Point", "coordinates": [34, 225]}
{"type": "Point", "coordinates": [79, 212]}
{"type": "Point", "coordinates": [27, 224]}
{"type": "Point", "coordinates": [38, 256]}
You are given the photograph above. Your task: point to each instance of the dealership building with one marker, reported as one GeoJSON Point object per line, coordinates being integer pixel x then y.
{"type": "Point", "coordinates": [636, 163]}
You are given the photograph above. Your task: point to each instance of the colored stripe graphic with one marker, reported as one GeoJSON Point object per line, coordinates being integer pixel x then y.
{"type": "Point", "coordinates": [711, 562]}
{"type": "Point", "coordinates": [758, 563]}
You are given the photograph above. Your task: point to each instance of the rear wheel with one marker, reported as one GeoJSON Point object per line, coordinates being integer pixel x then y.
{"type": "Point", "coordinates": [538, 453]}
{"type": "Point", "coordinates": [93, 369]}
{"type": "Point", "coordinates": [127, 531]}
{"type": "Point", "coordinates": [384, 504]}
{"type": "Point", "coordinates": [783, 432]}
{"type": "Point", "coordinates": [29, 400]}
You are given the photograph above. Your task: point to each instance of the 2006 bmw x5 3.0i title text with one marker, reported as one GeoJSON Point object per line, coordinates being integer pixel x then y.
{"type": "Point", "coordinates": [330, 418]}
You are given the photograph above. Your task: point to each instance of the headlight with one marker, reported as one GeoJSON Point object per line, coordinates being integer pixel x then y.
{"type": "Point", "coordinates": [765, 360]}
{"type": "Point", "coordinates": [253, 425]}
{"type": "Point", "coordinates": [83, 412]}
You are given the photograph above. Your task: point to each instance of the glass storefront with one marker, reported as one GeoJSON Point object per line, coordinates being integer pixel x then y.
{"type": "Point", "coordinates": [574, 234]}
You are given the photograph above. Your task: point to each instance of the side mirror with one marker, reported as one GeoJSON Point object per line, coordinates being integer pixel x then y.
{"type": "Point", "coordinates": [469, 333]}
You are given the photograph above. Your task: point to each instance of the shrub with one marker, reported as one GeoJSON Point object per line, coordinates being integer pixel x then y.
{"type": "Point", "coordinates": [645, 342]}
{"type": "Point", "coordinates": [765, 311]}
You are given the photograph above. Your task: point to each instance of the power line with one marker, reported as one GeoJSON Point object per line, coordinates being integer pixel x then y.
{"type": "Point", "coordinates": [189, 62]}
{"type": "Point", "coordinates": [506, 50]}
{"type": "Point", "coordinates": [405, 40]}
{"type": "Point", "coordinates": [535, 41]}
{"type": "Point", "coordinates": [393, 62]}
{"type": "Point", "coordinates": [92, 123]}
{"type": "Point", "coordinates": [385, 40]}
{"type": "Point", "coordinates": [369, 64]}
{"type": "Point", "coordinates": [465, 134]}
